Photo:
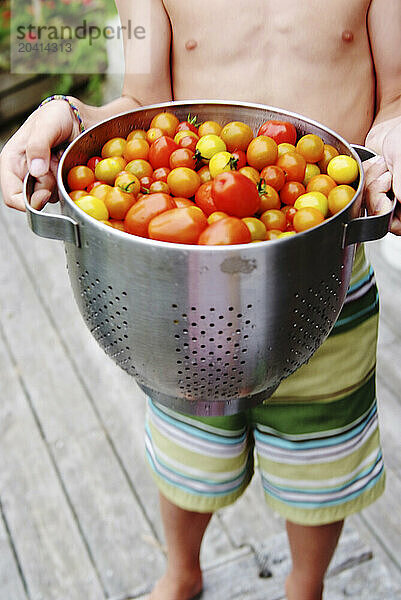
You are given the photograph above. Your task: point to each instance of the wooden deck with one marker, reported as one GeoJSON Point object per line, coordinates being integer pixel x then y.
{"type": "Point", "coordinates": [78, 509]}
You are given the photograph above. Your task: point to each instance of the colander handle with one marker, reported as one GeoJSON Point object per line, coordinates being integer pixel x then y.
{"type": "Point", "coordinates": [55, 227]}
{"type": "Point", "coordinates": [369, 228]}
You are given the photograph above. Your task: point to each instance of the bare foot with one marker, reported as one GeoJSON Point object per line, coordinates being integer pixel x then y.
{"type": "Point", "coordinates": [171, 587]}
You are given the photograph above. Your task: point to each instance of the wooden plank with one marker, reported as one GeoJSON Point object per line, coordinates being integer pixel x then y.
{"type": "Point", "coordinates": [111, 519]}
{"type": "Point", "coordinates": [12, 584]}
{"type": "Point", "coordinates": [53, 558]}
{"type": "Point", "coordinates": [116, 399]}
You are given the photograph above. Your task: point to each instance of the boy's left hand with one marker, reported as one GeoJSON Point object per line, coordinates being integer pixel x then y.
{"type": "Point", "coordinates": [392, 156]}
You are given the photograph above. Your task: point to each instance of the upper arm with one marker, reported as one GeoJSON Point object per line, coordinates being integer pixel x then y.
{"type": "Point", "coordinates": [384, 23]}
{"type": "Point", "coordinates": [147, 55]}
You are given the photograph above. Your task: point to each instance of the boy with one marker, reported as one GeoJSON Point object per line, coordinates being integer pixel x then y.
{"type": "Point", "coordinates": [317, 438]}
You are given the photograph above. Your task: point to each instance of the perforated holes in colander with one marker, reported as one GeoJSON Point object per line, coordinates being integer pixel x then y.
{"type": "Point", "coordinates": [211, 348]}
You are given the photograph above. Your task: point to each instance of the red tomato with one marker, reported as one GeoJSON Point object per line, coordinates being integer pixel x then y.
{"type": "Point", "coordinates": [274, 176]}
{"type": "Point", "coordinates": [240, 157]}
{"type": "Point", "coordinates": [203, 198]}
{"type": "Point", "coordinates": [289, 212]}
{"type": "Point", "coordinates": [178, 225]}
{"type": "Point", "coordinates": [225, 231]}
{"type": "Point", "coordinates": [146, 182]}
{"type": "Point", "coordinates": [182, 202]}
{"type": "Point", "coordinates": [92, 162]}
{"type": "Point", "coordinates": [235, 194]}
{"type": "Point", "coordinates": [293, 165]}
{"type": "Point", "coordinates": [290, 192]}
{"type": "Point", "coordinates": [160, 151]}
{"type": "Point", "coordinates": [188, 142]}
{"type": "Point", "coordinates": [80, 177]}
{"type": "Point", "coordinates": [183, 157]}
{"type": "Point", "coordinates": [161, 174]}
{"type": "Point", "coordinates": [191, 124]}
{"type": "Point", "coordinates": [140, 214]}
{"type": "Point", "coordinates": [280, 131]}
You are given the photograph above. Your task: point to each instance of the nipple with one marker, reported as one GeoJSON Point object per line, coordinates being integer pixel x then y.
{"type": "Point", "coordinates": [191, 44]}
{"type": "Point", "coordinates": [347, 36]}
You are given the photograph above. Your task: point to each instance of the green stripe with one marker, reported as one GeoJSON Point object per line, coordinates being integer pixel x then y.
{"type": "Point", "coordinates": [357, 312]}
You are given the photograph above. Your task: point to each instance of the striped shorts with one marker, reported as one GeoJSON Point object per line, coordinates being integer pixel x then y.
{"type": "Point", "coordinates": [315, 441]}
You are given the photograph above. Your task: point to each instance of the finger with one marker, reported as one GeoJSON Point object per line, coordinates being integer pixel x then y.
{"type": "Point", "coordinates": [396, 223]}
{"type": "Point", "coordinates": [43, 190]}
{"type": "Point", "coordinates": [374, 168]}
{"type": "Point", "coordinates": [376, 197]}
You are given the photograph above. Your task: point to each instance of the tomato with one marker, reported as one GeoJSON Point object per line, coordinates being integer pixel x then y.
{"type": "Point", "coordinates": [204, 199]}
{"type": "Point", "coordinates": [137, 134]}
{"type": "Point", "coordinates": [274, 176]}
{"type": "Point", "coordinates": [321, 183]}
{"type": "Point", "coordinates": [251, 173]}
{"type": "Point", "coordinates": [209, 127]}
{"type": "Point", "coordinates": [80, 177]}
{"type": "Point", "coordinates": [269, 198]}
{"type": "Point", "coordinates": [279, 131]}
{"type": "Point", "coordinates": [182, 202]}
{"type": "Point", "coordinates": [178, 225]}
{"type": "Point", "coordinates": [235, 194]}
{"type": "Point", "coordinates": [114, 147]}
{"type": "Point", "coordinates": [161, 150]}
{"type": "Point", "coordinates": [136, 148]}
{"type": "Point", "coordinates": [315, 199]}
{"type": "Point", "coordinates": [146, 182]}
{"type": "Point", "coordinates": [118, 203]}
{"type": "Point", "coordinates": [182, 157]}
{"type": "Point", "coordinates": [221, 162]}
{"type": "Point", "coordinates": [161, 174]}
{"type": "Point", "coordinates": [239, 157]}
{"type": "Point", "coordinates": [273, 234]}
{"type": "Point", "coordinates": [188, 142]}
{"type": "Point", "coordinates": [93, 185]}
{"type": "Point", "coordinates": [228, 230]}
{"type": "Point", "coordinates": [328, 153]}
{"type": "Point", "coordinates": [75, 194]}
{"type": "Point", "coordinates": [191, 124]}
{"type": "Point", "coordinates": [165, 121]}
{"type": "Point", "coordinates": [117, 224]}
{"type": "Point", "coordinates": [262, 151]}
{"type": "Point", "coordinates": [92, 162]}
{"type": "Point", "coordinates": [154, 134]}
{"type": "Point", "coordinates": [94, 207]}
{"type": "Point", "coordinates": [311, 147]}
{"type": "Point", "coordinates": [274, 219]}
{"type": "Point", "coordinates": [208, 145]}
{"type": "Point", "coordinates": [285, 234]}
{"type": "Point", "coordinates": [159, 186]}
{"type": "Point", "coordinates": [293, 165]}
{"type": "Point", "coordinates": [204, 174]}
{"type": "Point", "coordinates": [142, 212]}
{"type": "Point", "coordinates": [236, 135]}
{"type": "Point", "coordinates": [107, 169]}
{"type": "Point", "coordinates": [140, 168]}
{"type": "Point", "coordinates": [306, 218]}
{"type": "Point", "coordinates": [183, 182]}
{"type": "Point", "coordinates": [339, 197]}
{"type": "Point", "coordinates": [289, 212]}
{"type": "Point", "coordinates": [215, 216]}
{"type": "Point", "coordinates": [290, 192]}
{"type": "Point", "coordinates": [343, 169]}
{"type": "Point", "coordinates": [101, 191]}
{"type": "Point", "coordinates": [127, 182]}
{"type": "Point", "coordinates": [256, 227]}
{"type": "Point", "coordinates": [183, 133]}
{"type": "Point", "coordinates": [311, 170]}
{"type": "Point", "coordinates": [284, 147]}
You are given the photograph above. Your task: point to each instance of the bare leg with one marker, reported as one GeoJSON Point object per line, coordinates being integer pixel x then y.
{"type": "Point", "coordinates": [184, 532]}
{"type": "Point", "coordinates": [312, 549]}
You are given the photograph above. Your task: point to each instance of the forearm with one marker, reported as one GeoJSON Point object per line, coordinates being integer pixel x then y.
{"type": "Point", "coordinates": [94, 114]}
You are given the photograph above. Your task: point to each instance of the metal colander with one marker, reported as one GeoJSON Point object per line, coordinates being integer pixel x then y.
{"type": "Point", "coordinates": [206, 330]}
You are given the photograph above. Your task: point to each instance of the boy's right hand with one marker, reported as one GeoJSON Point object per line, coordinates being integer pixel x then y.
{"type": "Point", "coordinates": [30, 149]}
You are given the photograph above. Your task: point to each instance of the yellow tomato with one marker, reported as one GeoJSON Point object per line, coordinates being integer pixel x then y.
{"type": "Point", "coordinates": [311, 170]}
{"type": "Point", "coordinates": [165, 121]}
{"type": "Point", "coordinates": [94, 207]}
{"type": "Point", "coordinates": [209, 127]}
{"type": "Point", "coordinates": [251, 173]}
{"type": "Point", "coordinates": [343, 169]}
{"type": "Point", "coordinates": [313, 200]}
{"type": "Point", "coordinates": [285, 234]}
{"type": "Point", "coordinates": [285, 147]}
{"type": "Point", "coordinates": [328, 153]}
{"type": "Point", "coordinates": [236, 135]}
{"type": "Point", "coordinates": [220, 162]}
{"type": "Point", "coordinates": [137, 134]}
{"type": "Point", "coordinates": [311, 147]}
{"type": "Point", "coordinates": [339, 197]}
{"type": "Point", "coordinates": [256, 227]}
{"type": "Point", "coordinates": [216, 216]}
{"type": "Point", "coordinates": [114, 147]}
{"type": "Point", "coordinates": [183, 182]}
{"type": "Point", "coordinates": [185, 133]}
{"type": "Point", "coordinates": [210, 144]}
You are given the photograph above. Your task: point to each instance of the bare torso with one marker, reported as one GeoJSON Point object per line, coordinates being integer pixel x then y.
{"type": "Point", "coordinates": [315, 61]}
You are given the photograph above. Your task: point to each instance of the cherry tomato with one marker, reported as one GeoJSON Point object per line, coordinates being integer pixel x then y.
{"type": "Point", "coordinates": [118, 203]}
{"type": "Point", "coordinates": [311, 147]}
{"type": "Point", "coordinates": [274, 219]}
{"type": "Point", "coordinates": [328, 153]}
{"type": "Point", "coordinates": [256, 228]}
{"type": "Point", "coordinates": [137, 134]}
{"type": "Point", "coordinates": [180, 135]}
{"type": "Point", "coordinates": [165, 121]}
{"type": "Point", "coordinates": [284, 147]}
{"type": "Point", "coordinates": [321, 183]}
{"type": "Point", "coordinates": [116, 224]}
{"type": "Point", "coordinates": [239, 157]}
{"type": "Point", "coordinates": [235, 194]}
{"type": "Point", "coordinates": [94, 207]}
{"type": "Point", "coordinates": [273, 234]}
{"type": "Point", "coordinates": [314, 199]}
{"type": "Point", "coordinates": [142, 212]}
{"type": "Point", "coordinates": [236, 135]}
{"type": "Point", "coordinates": [208, 145]}
{"type": "Point", "coordinates": [161, 174]}
{"type": "Point", "coordinates": [75, 194]}
{"type": "Point", "coordinates": [80, 177]}
{"type": "Point", "coordinates": [159, 186]}
{"type": "Point", "coordinates": [204, 174]}
{"type": "Point", "coordinates": [339, 197]}
{"type": "Point", "coordinates": [209, 127]}
{"type": "Point", "coordinates": [136, 148]}
{"type": "Point", "coordinates": [221, 162]}
{"type": "Point", "coordinates": [128, 182]}
{"type": "Point", "coordinates": [145, 183]}
{"type": "Point", "coordinates": [153, 134]}
{"type": "Point", "coordinates": [274, 176]}
{"type": "Point", "coordinates": [188, 142]}
{"type": "Point", "coordinates": [183, 182]}
{"type": "Point", "coordinates": [290, 192]}
{"type": "Point", "coordinates": [285, 234]}
{"type": "Point", "coordinates": [93, 185]}
{"type": "Point", "coordinates": [306, 218]}
{"type": "Point", "coordinates": [92, 162]}
{"type": "Point", "coordinates": [251, 173]}
{"type": "Point", "coordinates": [289, 212]}
{"type": "Point", "coordinates": [343, 169]}
{"type": "Point", "coordinates": [311, 170]}
{"type": "Point", "coordinates": [293, 165]}
{"type": "Point", "coordinates": [178, 225]}
{"type": "Point", "coordinates": [226, 231]}
{"type": "Point", "coordinates": [101, 191]}
{"type": "Point", "coordinates": [262, 151]}
{"type": "Point", "coordinates": [161, 150]}
{"type": "Point", "coordinates": [279, 131]}
{"type": "Point", "coordinates": [182, 202]}
{"type": "Point", "coordinates": [215, 216]}
{"type": "Point", "coordinates": [269, 198]}
{"type": "Point", "coordinates": [140, 168]}
{"type": "Point", "coordinates": [204, 199]}
{"type": "Point", "coordinates": [182, 157]}
{"type": "Point", "coordinates": [191, 124]}
{"type": "Point", "coordinates": [107, 169]}
{"type": "Point", "coordinates": [114, 147]}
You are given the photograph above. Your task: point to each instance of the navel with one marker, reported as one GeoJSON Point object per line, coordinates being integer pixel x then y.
{"type": "Point", "coordinates": [347, 35]}
{"type": "Point", "coordinates": [191, 44]}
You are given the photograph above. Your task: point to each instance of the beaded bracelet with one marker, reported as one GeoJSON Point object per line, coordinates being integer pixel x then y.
{"type": "Point", "coordinates": [72, 106]}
